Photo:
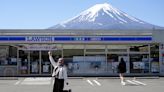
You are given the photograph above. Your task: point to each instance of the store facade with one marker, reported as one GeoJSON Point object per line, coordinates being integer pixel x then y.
{"type": "Point", "coordinates": [86, 53]}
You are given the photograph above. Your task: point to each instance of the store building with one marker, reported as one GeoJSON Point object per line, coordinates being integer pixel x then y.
{"type": "Point", "coordinates": [86, 52]}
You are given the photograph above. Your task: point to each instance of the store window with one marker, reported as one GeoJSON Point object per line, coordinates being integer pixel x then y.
{"type": "Point", "coordinates": [8, 60]}
{"type": "Point", "coordinates": [139, 58]}
{"type": "Point", "coordinates": [154, 58]}
{"type": "Point", "coordinates": [113, 61]}
{"type": "Point", "coordinates": [74, 58]}
{"type": "Point", "coordinates": [139, 63]}
{"type": "Point", "coordinates": [4, 52]}
{"type": "Point", "coordinates": [8, 55]}
{"type": "Point", "coordinates": [114, 54]}
{"type": "Point", "coordinates": [95, 59]}
{"type": "Point", "coordinates": [12, 55]}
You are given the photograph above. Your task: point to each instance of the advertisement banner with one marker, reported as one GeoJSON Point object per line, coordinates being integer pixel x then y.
{"type": "Point", "coordinates": [38, 47]}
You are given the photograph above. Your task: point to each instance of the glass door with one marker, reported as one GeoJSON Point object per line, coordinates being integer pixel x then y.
{"type": "Point", "coordinates": [34, 62]}
{"type": "Point", "coordinates": [23, 62]}
{"type": "Point", "coordinates": [45, 63]}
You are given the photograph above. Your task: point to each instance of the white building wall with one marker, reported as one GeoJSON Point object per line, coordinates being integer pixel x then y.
{"type": "Point", "coordinates": [158, 37]}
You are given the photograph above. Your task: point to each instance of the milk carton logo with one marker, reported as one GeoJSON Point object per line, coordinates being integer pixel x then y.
{"type": "Point", "coordinates": [39, 39]}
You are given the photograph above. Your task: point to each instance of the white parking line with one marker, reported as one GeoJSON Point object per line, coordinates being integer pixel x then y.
{"type": "Point", "coordinates": [97, 82]}
{"type": "Point", "coordinates": [90, 82]}
{"type": "Point", "coordinates": [36, 81]}
{"type": "Point", "coordinates": [17, 82]}
{"type": "Point", "coordinates": [139, 82]}
{"type": "Point", "coordinates": [132, 82]}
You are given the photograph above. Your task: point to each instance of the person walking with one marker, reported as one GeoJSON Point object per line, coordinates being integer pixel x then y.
{"type": "Point", "coordinates": [122, 70]}
{"type": "Point", "coordinates": [59, 73]}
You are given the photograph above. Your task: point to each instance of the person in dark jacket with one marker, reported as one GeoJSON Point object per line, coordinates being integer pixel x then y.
{"type": "Point", "coordinates": [122, 70]}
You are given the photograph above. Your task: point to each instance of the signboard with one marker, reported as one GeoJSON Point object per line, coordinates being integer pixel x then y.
{"type": "Point", "coordinates": [39, 39]}
{"type": "Point", "coordinates": [89, 58]}
{"type": "Point", "coordinates": [38, 47]}
{"type": "Point", "coordinates": [43, 39]}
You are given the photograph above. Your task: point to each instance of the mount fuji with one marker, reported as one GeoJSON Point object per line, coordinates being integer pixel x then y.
{"type": "Point", "coordinates": [106, 17]}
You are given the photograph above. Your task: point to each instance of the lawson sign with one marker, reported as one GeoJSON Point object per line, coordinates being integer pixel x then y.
{"type": "Point", "coordinates": [39, 39]}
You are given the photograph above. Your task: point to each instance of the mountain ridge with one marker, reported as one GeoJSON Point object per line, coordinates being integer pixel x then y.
{"type": "Point", "coordinates": [103, 16]}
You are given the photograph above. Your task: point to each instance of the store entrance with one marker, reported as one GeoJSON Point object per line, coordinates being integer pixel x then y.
{"type": "Point", "coordinates": [29, 62]}
{"type": "Point", "coordinates": [45, 63]}
{"type": "Point", "coordinates": [34, 62]}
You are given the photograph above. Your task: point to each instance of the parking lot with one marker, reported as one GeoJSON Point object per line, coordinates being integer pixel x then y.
{"type": "Point", "coordinates": [80, 84]}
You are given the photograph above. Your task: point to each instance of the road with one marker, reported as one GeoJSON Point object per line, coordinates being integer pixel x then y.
{"type": "Point", "coordinates": [45, 84]}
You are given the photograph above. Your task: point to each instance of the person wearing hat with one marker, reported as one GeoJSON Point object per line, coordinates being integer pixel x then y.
{"type": "Point", "coordinates": [59, 73]}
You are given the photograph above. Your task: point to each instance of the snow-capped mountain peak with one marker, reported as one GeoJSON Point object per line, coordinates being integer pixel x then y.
{"type": "Point", "coordinates": [103, 16]}
{"type": "Point", "coordinates": [93, 11]}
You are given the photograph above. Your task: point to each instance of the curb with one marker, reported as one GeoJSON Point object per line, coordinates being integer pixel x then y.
{"type": "Point", "coordinates": [8, 78]}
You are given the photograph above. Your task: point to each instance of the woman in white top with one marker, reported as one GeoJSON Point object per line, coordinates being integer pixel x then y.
{"type": "Point", "coordinates": [59, 72]}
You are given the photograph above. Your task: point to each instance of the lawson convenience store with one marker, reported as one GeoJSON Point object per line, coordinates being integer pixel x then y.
{"type": "Point", "coordinates": [86, 52]}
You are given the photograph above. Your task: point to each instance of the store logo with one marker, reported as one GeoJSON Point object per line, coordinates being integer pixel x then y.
{"type": "Point", "coordinates": [39, 39]}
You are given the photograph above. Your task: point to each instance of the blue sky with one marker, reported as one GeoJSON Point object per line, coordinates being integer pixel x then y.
{"type": "Point", "coordinates": [41, 14]}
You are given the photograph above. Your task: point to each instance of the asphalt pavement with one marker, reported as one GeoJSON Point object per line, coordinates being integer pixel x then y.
{"type": "Point", "coordinates": [83, 84]}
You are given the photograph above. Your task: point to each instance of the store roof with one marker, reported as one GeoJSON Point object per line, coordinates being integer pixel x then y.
{"type": "Point", "coordinates": [73, 32]}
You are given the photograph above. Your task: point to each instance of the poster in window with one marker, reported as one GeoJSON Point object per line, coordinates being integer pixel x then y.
{"type": "Point", "coordinates": [138, 65]}
{"type": "Point", "coordinates": [155, 67]}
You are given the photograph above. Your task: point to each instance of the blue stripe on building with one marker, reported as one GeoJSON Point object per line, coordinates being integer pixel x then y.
{"type": "Point", "coordinates": [62, 38]}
